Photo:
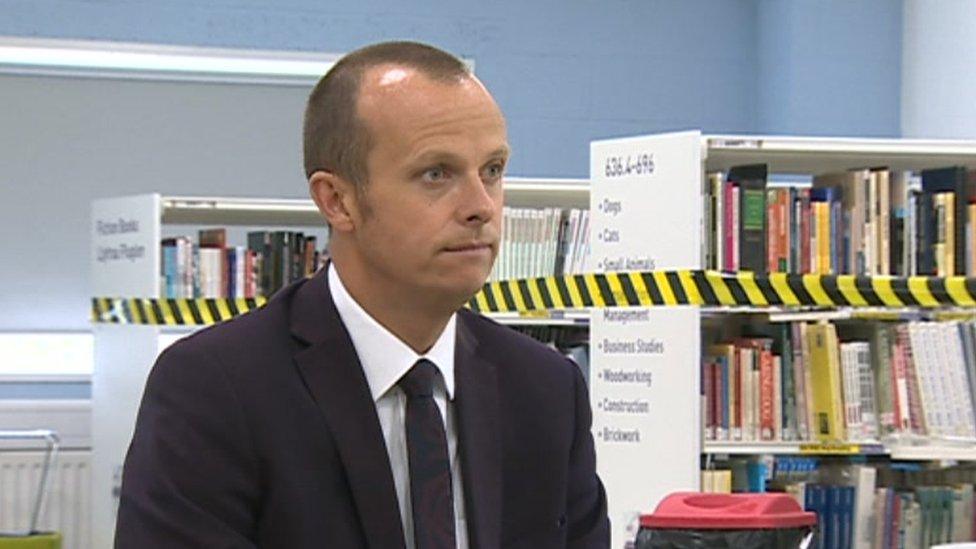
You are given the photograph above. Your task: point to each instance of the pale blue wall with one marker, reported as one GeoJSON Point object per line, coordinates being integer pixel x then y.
{"type": "Point", "coordinates": [938, 99]}
{"type": "Point", "coordinates": [829, 67]}
{"type": "Point", "coordinates": [565, 72]}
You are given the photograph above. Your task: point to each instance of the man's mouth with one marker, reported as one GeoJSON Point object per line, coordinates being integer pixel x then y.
{"type": "Point", "coordinates": [470, 247]}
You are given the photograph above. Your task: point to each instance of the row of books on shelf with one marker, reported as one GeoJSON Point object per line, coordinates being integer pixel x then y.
{"type": "Point", "coordinates": [870, 221]}
{"type": "Point", "coordinates": [866, 506]}
{"type": "Point", "coordinates": [539, 242]}
{"type": "Point", "coordinates": [536, 242]}
{"type": "Point", "coordinates": [211, 268]}
{"type": "Point", "coordinates": [800, 381]}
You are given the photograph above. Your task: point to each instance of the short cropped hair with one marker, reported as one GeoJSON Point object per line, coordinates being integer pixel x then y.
{"type": "Point", "coordinates": [335, 138]}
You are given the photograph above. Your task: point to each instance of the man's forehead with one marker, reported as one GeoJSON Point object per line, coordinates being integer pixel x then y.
{"type": "Point", "coordinates": [391, 83]}
{"type": "Point", "coordinates": [392, 95]}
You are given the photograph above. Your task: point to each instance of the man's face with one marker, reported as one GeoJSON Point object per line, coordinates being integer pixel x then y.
{"type": "Point", "coordinates": [430, 217]}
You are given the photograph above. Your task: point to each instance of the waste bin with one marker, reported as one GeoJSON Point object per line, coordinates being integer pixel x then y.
{"type": "Point", "coordinates": [34, 541]}
{"type": "Point", "coordinates": [692, 520]}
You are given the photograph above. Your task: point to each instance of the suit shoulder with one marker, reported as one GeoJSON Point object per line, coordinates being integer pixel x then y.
{"type": "Point", "coordinates": [251, 327]}
{"type": "Point", "coordinates": [253, 334]}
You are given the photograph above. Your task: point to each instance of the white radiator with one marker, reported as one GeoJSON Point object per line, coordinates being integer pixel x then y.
{"type": "Point", "coordinates": [67, 504]}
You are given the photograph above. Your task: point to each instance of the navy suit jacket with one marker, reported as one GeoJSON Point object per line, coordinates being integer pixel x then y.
{"type": "Point", "coordinates": [261, 432]}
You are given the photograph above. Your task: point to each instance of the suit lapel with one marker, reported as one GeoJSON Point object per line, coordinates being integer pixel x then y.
{"type": "Point", "coordinates": [335, 378]}
{"type": "Point", "coordinates": [479, 437]}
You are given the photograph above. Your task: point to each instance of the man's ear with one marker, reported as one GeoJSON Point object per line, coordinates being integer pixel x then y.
{"type": "Point", "coordinates": [335, 198]}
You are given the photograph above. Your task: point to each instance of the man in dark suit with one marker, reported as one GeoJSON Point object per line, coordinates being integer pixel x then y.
{"type": "Point", "coordinates": [363, 407]}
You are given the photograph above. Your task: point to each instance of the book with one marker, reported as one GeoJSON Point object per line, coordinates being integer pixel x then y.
{"type": "Point", "coordinates": [850, 187]}
{"type": "Point", "coordinates": [967, 338]}
{"type": "Point", "coordinates": [896, 534]}
{"type": "Point", "coordinates": [724, 387]}
{"type": "Point", "coordinates": [865, 378]}
{"type": "Point", "coordinates": [911, 523]}
{"type": "Point", "coordinates": [926, 373]}
{"type": "Point", "coordinates": [851, 386]}
{"type": "Point", "coordinates": [716, 181]}
{"type": "Point", "coordinates": [709, 392]}
{"type": "Point", "coordinates": [925, 234]}
{"type": "Point", "coordinates": [955, 379]}
{"type": "Point", "coordinates": [962, 513]}
{"type": "Point", "coordinates": [784, 215]}
{"type": "Point", "coordinates": [750, 181]}
{"type": "Point", "coordinates": [878, 518]}
{"type": "Point", "coordinates": [259, 242]}
{"type": "Point", "coordinates": [816, 501]}
{"type": "Point", "coordinates": [803, 228]}
{"type": "Point", "coordinates": [730, 223]}
{"type": "Point", "coordinates": [865, 479]}
{"type": "Point", "coordinates": [881, 177]}
{"type": "Point", "coordinates": [788, 387]}
{"type": "Point", "coordinates": [767, 394]}
{"type": "Point", "coordinates": [844, 496]}
{"type": "Point", "coordinates": [171, 278]}
{"type": "Point", "coordinates": [944, 251]}
{"type": "Point", "coordinates": [212, 238]}
{"type": "Point", "coordinates": [898, 223]}
{"type": "Point", "coordinates": [825, 374]}
{"type": "Point", "coordinates": [883, 365]}
{"type": "Point", "coordinates": [779, 243]}
{"type": "Point", "coordinates": [970, 239]}
{"type": "Point", "coordinates": [915, 421]}
{"type": "Point", "coordinates": [826, 223]}
{"type": "Point", "coordinates": [902, 377]}
{"type": "Point", "coordinates": [799, 381]}
{"type": "Point", "coordinates": [951, 180]}
{"type": "Point", "coordinates": [772, 230]}
{"type": "Point", "coordinates": [833, 532]}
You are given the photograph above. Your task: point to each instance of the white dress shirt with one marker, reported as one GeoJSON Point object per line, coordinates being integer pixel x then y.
{"type": "Point", "coordinates": [385, 359]}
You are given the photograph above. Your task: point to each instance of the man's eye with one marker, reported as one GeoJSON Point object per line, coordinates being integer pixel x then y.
{"type": "Point", "coordinates": [433, 175]}
{"type": "Point", "coordinates": [494, 171]}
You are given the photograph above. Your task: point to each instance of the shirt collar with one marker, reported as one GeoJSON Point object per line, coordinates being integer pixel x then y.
{"type": "Point", "coordinates": [384, 357]}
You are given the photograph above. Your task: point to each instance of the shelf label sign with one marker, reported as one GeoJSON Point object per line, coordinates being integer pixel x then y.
{"type": "Point", "coordinates": [828, 448]}
{"type": "Point", "coordinates": [646, 218]}
{"type": "Point", "coordinates": [125, 240]}
{"type": "Point", "coordinates": [645, 207]}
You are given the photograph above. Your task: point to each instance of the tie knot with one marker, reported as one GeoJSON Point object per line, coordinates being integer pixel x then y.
{"type": "Point", "coordinates": [419, 381]}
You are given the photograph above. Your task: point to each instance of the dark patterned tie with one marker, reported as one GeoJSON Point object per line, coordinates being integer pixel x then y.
{"type": "Point", "coordinates": [430, 466]}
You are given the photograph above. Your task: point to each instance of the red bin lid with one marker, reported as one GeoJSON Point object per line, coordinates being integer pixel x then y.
{"type": "Point", "coordinates": [697, 511]}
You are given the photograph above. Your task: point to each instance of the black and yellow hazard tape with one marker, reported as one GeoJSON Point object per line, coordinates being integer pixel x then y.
{"type": "Point", "coordinates": [624, 289]}
{"type": "Point", "coordinates": [170, 312]}
{"type": "Point", "coordinates": [716, 289]}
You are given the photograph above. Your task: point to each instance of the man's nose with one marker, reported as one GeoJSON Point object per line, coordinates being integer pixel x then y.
{"type": "Point", "coordinates": [478, 202]}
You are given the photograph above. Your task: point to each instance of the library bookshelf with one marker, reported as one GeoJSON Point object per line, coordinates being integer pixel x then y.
{"type": "Point", "coordinates": [649, 201]}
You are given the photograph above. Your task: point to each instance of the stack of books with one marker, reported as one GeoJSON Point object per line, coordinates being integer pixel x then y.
{"type": "Point", "coordinates": [869, 222]}
{"type": "Point", "coordinates": [803, 383]}
{"type": "Point", "coordinates": [868, 506]}
{"type": "Point", "coordinates": [210, 268]}
{"type": "Point", "coordinates": [542, 242]}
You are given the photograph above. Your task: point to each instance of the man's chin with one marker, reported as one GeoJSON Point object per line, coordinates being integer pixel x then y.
{"type": "Point", "coordinates": [459, 293]}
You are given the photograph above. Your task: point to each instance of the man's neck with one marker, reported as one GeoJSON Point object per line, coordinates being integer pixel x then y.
{"type": "Point", "coordinates": [416, 323]}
